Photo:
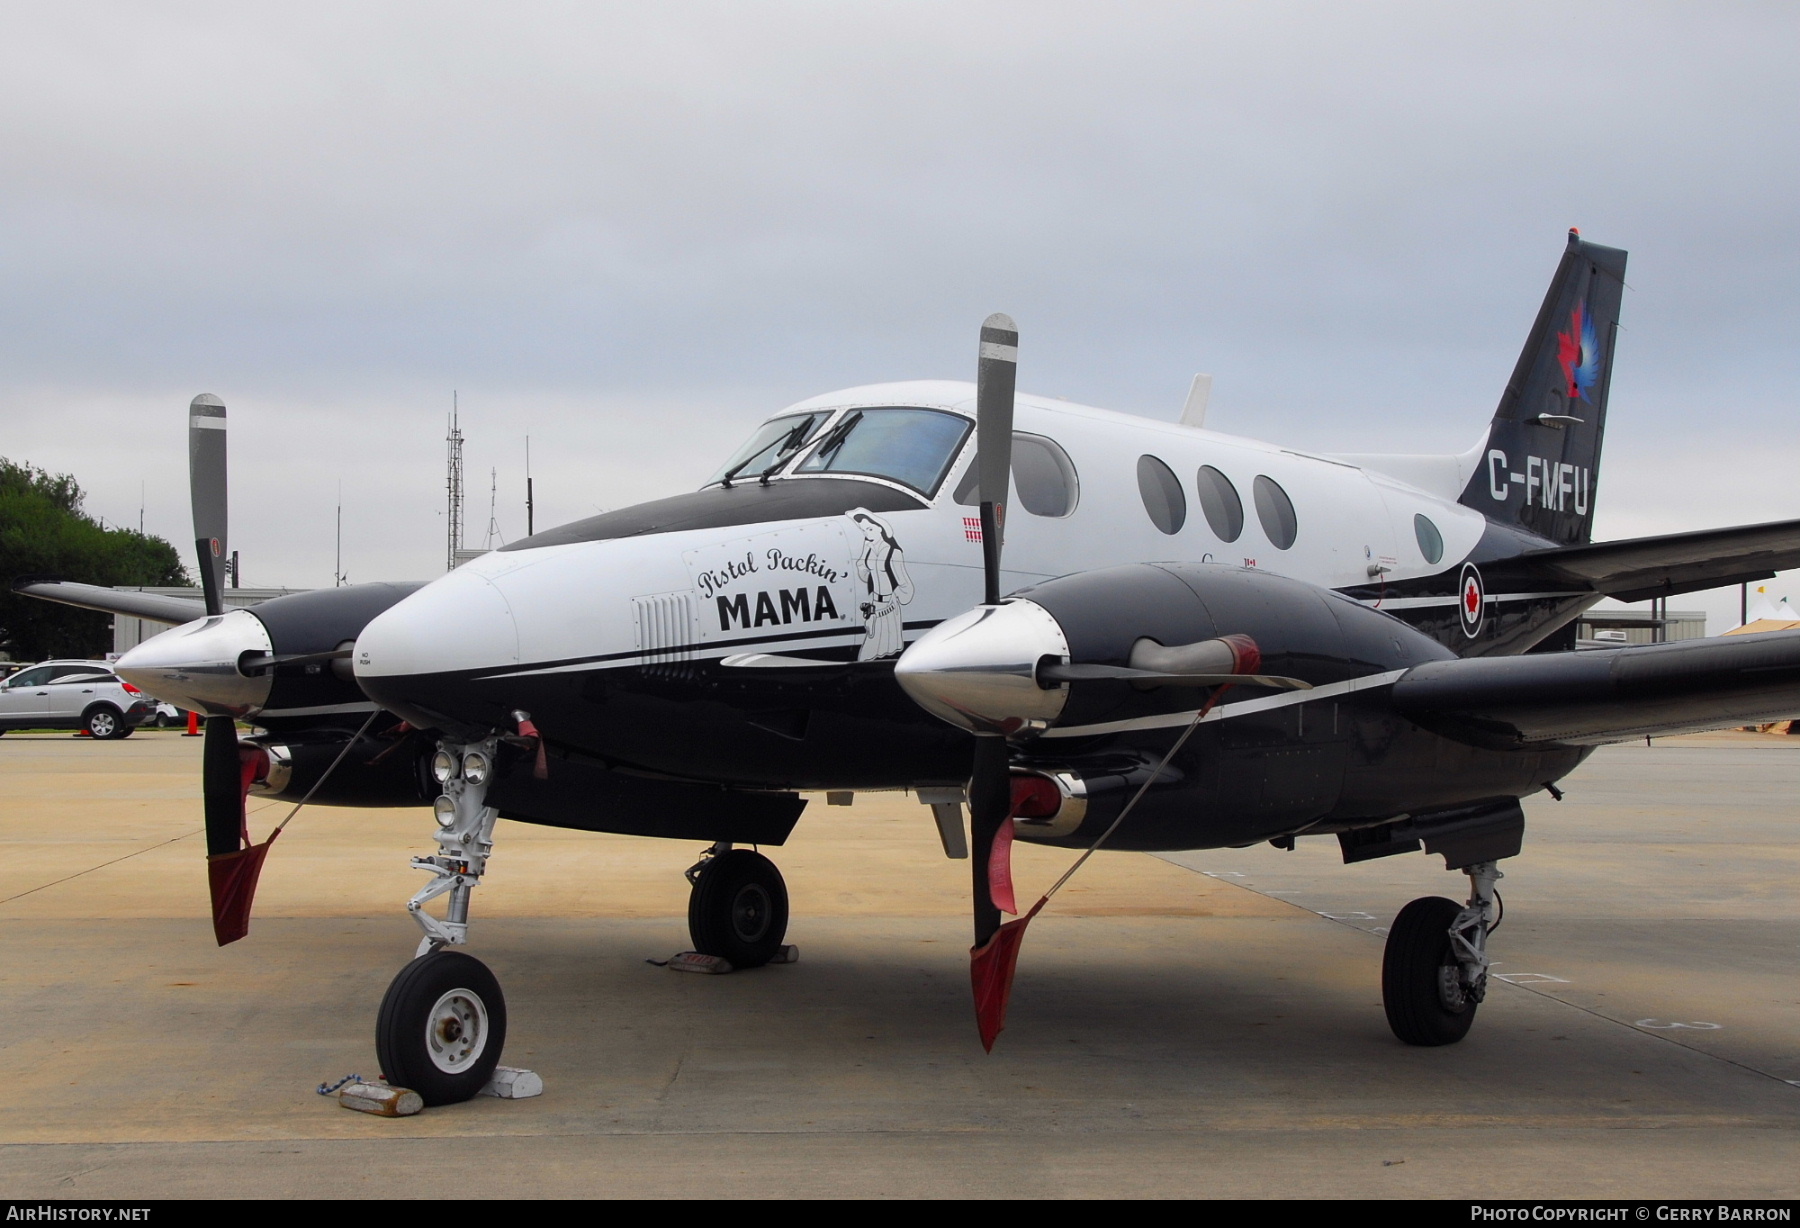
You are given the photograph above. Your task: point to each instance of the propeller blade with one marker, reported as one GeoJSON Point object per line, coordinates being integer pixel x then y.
{"type": "Point", "coordinates": [206, 486]}
{"type": "Point", "coordinates": [990, 784]}
{"type": "Point", "coordinates": [221, 787]}
{"type": "Point", "coordinates": [990, 807]}
{"type": "Point", "coordinates": [996, 376]}
{"type": "Point", "coordinates": [232, 863]}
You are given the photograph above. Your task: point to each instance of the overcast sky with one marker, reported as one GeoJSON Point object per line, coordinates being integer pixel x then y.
{"type": "Point", "coordinates": [631, 231]}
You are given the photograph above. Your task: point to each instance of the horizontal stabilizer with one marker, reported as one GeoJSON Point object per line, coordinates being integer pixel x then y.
{"type": "Point", "coordinates": [1644, 567]}
{"type": "Point", "coordinates": [156, 608]}
{"type": "Point", "coordinates": [1606, 695]}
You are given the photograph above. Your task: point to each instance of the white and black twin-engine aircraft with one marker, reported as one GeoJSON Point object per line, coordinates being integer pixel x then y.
{"type": "Point", "coordinates": [1216, 640]}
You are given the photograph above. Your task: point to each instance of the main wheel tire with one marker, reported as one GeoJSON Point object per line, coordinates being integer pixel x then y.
{"type": "Point", "coordinates": [441, 1027]}
{"type": "Point", "coordinates": [104, 723]}
{"type": "Point", "coordinates": [738, 909]}
{"type": "Point", "coordinates": [1421, 979]}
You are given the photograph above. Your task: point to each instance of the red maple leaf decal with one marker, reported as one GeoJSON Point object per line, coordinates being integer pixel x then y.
{"type": "Point", "coordinates": [1568, 352]}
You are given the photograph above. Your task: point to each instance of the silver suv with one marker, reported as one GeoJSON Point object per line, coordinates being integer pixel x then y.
{"type": "Point", "coordinates": [72, 695]}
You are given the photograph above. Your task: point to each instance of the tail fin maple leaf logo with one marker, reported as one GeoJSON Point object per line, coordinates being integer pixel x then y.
{"type": "Point", "coordinates": [1578, 353]}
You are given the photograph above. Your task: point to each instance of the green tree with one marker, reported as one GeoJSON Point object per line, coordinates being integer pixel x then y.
{"type": "Point", "coordinates": [43, 531]}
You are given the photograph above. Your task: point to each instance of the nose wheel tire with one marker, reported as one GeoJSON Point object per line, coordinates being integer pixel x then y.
{"type": "Point", "coordinates": [738, 909]}
{"type": "Point", "coordinates": [441, 1027]}
{"type": "Point", "coordinates": [1421, 979]}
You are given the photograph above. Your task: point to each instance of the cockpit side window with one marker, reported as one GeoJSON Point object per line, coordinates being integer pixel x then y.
{"type": "Point", "coordinates": [911, 446]}
{"type": "Point", "coordinates": [1043, 477]}
{"type": "Point", "coordinates": [775, 441]}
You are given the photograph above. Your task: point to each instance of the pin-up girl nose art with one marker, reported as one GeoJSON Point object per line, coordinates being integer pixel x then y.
{"type": "Point", "coordinates": [881, 567]}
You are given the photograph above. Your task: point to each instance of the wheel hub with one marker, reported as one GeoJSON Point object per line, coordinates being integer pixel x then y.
{"type": "Point", "coordinates": [750, 913]}
{"type": "Point", "coordinates": [456, 1030]}
{"type": "Point", "coordinates": [1450, 988]}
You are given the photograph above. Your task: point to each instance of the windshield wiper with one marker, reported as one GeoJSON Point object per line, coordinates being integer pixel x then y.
{"type": "Point", "coordinates": [792, 442]}
{"type": "Point", "coordinates": [796, 440]}
{"type": "Point", "coordinates": [835, 439]}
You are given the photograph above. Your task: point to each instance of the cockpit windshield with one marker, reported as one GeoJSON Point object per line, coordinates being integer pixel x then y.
{"type": "Point", "coordinates": [775, 442]}
{"type": "Point", "coordinates": [914, 447]}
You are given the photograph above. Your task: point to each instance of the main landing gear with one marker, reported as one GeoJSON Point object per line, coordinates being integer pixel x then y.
{"type": "Point", "coordinates": [1434, 972]}
{"type": "Point", "coordinates": [738, 909]}
{"type": "Point", "coordinates": [442, 1023]}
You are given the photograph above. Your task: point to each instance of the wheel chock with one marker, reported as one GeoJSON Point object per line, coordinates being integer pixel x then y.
{"type": "Point", "coordinates": [512, 1083]}
{"type": "Point", "coordinates": [789, 954]}
{"type": "Point", "coordinates": [382, 1100]}
{"type": "Point", "coordinates": [693, 961]}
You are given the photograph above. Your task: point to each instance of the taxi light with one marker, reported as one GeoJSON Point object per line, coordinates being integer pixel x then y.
{"type": "Point", "coordinates": [475, 767]}
{"type": "Point", "coordinates": [444, 811]}
{"type": "Point", "coordinates": [1035, 797]}
{"type": "Point", "coordinates": [443, 767]}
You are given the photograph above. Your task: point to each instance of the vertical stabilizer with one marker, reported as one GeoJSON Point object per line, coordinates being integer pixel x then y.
{"type": "Point", "coordinates": [1540, 467]}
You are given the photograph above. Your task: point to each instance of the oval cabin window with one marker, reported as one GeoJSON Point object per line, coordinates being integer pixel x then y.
{"type": "Point", "coordinates": [1276, 512]}
{"type": "Point", "coordinates": [1162, 495]}
{"type": "Point", "coordinates": [1431, 542]}
{"type": "Point", "coordinates": [1220, 504]}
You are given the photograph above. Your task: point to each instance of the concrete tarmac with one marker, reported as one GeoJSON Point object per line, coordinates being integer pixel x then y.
{"type": "Point", "coordinates": [1202, 1024]}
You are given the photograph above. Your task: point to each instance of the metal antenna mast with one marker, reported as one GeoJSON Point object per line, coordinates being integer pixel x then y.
{"type": "Point", "coordinates": [493, 526]}
{"type": "Point", "coordinates": [455, 483]}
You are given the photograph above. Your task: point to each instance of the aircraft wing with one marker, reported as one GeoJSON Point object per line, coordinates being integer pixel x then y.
{"type": "Point", "coordinates": [1606, 695]}
{"type": "Point", "coordinates": [172, 610]}
{"type": "Point", "coordinates": [1645, 567]}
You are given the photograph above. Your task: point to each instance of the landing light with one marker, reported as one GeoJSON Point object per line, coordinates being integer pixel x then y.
{"type": "Point", "coordinates": [444, 811]}
{"type": "Point", "coordinates": [475, 767]}
{"type": "Point", "coordinates": [443, 767]}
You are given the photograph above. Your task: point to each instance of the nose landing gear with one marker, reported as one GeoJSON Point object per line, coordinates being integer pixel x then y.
{"type": "Point", "coordinates": [1434, 971]}
{"type": "Point", "coordinates": [442, 1022]}
{"type": "Point", "coordinates": [738, 908]}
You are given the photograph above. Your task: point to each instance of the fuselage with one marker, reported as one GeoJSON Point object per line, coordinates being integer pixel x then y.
{"type": "Point", "coordinates": [617, 635]}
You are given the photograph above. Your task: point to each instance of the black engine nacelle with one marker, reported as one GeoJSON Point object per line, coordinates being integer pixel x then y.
{"type": "Point", "coordinates": [1301, 630]}
{"type": "Point", "coordinates": [1059, 668]}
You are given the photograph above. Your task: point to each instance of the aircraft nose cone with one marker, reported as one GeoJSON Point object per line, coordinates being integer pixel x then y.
{"type": "Point", "coordinates": [413, 659]}
{"type": "Point", "coordinates": [979, 669]}
{"type": "Point", "coordinates": [195, 665]}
